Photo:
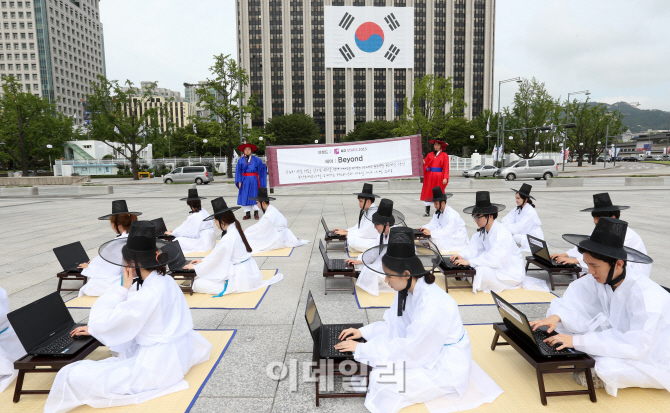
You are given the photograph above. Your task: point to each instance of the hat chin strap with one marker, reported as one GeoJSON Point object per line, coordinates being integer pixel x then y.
{"type": "Point", "coordinates": [612, 282]}
{"type": "Point", "coordinates": [402, 297]}
{"type": "Point", "coordinates": [139, 279]}
{"type": "Point", "coordinates": [360, 215]}
{"type": "Point", "coordinates": [482, 230]}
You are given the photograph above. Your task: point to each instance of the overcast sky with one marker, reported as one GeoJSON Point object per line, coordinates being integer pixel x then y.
{"type": "Point", "coordinates": [618, 49]}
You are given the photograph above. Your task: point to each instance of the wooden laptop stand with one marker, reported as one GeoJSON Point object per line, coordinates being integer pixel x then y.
{"type": "Point", "coordinates": [184, 276]}
{"type": "Point", "coordinates": [70, 276]}
{"type": "Point", "coordinates": [337, 240]}
{"type": "Point", "coordinates": [456, 273]}
{"type": "Point", "coordinates": [331, 275]}
{"type": "Point", "coordinates": [545, 365]}
{"type": "Point", "coordinates": [46, 364]}
{"type": "Point", "coordinates": [552, 271]}
{"type": "Point", "coordinates": [320, 365]}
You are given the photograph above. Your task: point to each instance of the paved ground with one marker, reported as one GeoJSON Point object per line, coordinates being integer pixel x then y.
{"type": "Point", "coordinates": [276, 331]}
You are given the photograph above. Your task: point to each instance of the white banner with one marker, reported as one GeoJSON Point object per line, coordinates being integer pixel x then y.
{"type": "Point", "coordinates": [334, 163]}
{"type": "Point", "coordinates": [369, 37]}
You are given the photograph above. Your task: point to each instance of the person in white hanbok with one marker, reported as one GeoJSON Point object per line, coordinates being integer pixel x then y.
{"type": "Point", "coordinates": [271, 232]}
{"type": "Point", "coordinates": [11, 348]}
{"type": "Point", "coordinates": [446, 229]}
{"type": "Point", "coordinates": [363, 235]}
{"type": "Point", "coordinates": [492, 251]}
{"type": "Point", "coordinates": [229, 268]}
{"type": "Point", "coordinates": [373, 281]}
{"type": "Point", "coordinates": [101, 275]}
{"type": "Point", "coordinates": [421, 351]}
{"type": "Point", "coordinates": [523, 220]}
{"type": "Point", "coordinates": [147, 325]}
{"type": "Point", "coordinates": [195, 234]}
{"type": "Point", "coordinates": [603, 207]}
{"type": "Point", "coordinates": [616, 315]}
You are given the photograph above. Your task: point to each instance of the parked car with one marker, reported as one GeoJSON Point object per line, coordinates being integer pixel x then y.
{"type": "Point", "coordinates": [529, 168]}
{"type": "Point", "coordinates": [606, 159]}
{"type": "Point", "coordinates": [198, 174]}
{"type": "Point", "coordinates": [20, 173]}
{"type": "Point", "coordinates": [480, 170]}
{"type": "Point", "coordinates": [657, 157]}
{"type": "Point", "coordinates": [630, 159]}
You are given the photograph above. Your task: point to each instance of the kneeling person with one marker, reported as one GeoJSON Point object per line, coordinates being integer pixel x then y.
{"type": "Point", "coordinates": [446, 229]}
{"type": "Point", "coordinates": [363, 236]}
{"type": "Point", "coordinates": [615, 314]}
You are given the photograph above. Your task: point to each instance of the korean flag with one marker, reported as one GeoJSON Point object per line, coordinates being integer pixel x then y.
{"type": "Point", "coordinates": [369, 37]}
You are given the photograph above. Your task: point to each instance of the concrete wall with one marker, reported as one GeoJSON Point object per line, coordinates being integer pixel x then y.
{"type": "Point", "coordinates": [44, 180]}
{"type": "Point", "coordinates": [20, 191]}
{"type": "Point", "coordinates": [564, 182]}
{"type": "Point", "coordinates": [645, 181]}
{"type": "Point", "coordinates": [487, 183]}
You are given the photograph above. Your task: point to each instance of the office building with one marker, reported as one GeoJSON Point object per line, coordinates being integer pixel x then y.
{"type": "Point", "coordinates": [350, 61]}
{"type": "Point", "coordinates": [54, 48]}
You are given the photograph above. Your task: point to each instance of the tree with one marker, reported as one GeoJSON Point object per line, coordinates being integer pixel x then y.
{"type": "Point", "coordinates": [457, 132]}
{"type": "Point", "coordinates": [29, 124]}
{"type": "Point", "coordinates": [533, 108]}
{"type": "Point", "coordinates": [592, 124]}
{"type": "Point", "coordinates": [378, 129]}
{"type": "Point", "coordinates": [293, 129]}
{"type": "Point", "coordinates": [255, 136]}
{"type": "Point", "coordinates": [488, 137]}
{"type": "Point", "coordinates": [121, 116]}
{"type": "Point", "coordinates": [221, 96]}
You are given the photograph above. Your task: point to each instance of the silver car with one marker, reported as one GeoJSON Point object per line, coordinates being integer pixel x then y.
{"type": "Point", "coordinates": [529, 168]}
{"type": "Point", "coordinates": [480, 170]}
{"type": "Point", "coordinates": [198, 174]}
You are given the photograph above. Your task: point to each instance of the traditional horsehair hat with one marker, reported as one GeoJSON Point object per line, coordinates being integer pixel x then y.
{"type": "Point", "coordinates": [444, 144]}
{"type": "Point", "coordinates": [608, 239]}
{"type": "Point", "coordinates": [367, 192]}
{"type": "Point", "coordinates": [146, 250]}
{"type": "Point", "coordinates": [192, 195]}
{"type": "Point", "coordinates": [219, 206]}
{"type": "Point", "coordinates": [438, 195]}
{"type": "Point", "coordinates": [386, 214]}
{"type": "Point", "coordinates": [483, 205]}
{"type": "Point", "coordinates": [524, 190]}
{"type": "Point", "coordinates": [603, 203]}
{"type": "Point", "coordinates": [262, 196]}
{"type": "Point", "coordinates": [119, 208]}
{"type": "Point", "coordinates": [253, 147]}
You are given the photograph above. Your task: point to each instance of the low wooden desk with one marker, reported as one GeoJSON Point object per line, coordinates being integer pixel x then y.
{"type": "Point", "coordinates": [420, 236]}
{"type": "Point", "coordinates": [552, 271]}
{"type": "Point", "coordinates": [456, 273]}
{"type": "Point", "coordinates": [184, 276]}
{"type": "Point", "coordinates": [70, 276]}
{"type": "Point", "coordinates": [330, 275]}
{"type": "Point", "coordinates": [544, 365]}
{"type": "Point", "coordinates": [319, 365]}
{"type": "Point", "coordinates": [46, 364]}
{"type": "Point", "coordinates": [337, 239]}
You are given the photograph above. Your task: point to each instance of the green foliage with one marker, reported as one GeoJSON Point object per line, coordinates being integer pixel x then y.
{"type": "Point", "coordinates": [254, 138]}
{"type": "Point", "coordinates": [457, 132]}
{"type": "Point", "coordinates": [378, 129]}
{"type": "Point", "coordinates": [108, 156]}
{"type": "Point", "coordinates": [641, 120]}
{"type": "Point", "coordinates": [28, 124]}
{"type": "Point", "coordinates": [293, 129]}
{"type": "Point", "coordinates": [592, 125]}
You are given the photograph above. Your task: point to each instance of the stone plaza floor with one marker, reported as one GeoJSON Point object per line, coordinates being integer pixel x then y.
{"type": "Point", "coordinates": [276, 330]}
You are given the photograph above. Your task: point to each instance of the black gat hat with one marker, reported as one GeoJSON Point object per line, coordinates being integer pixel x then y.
{"type": "Point", "coordinates": [219, 206]}
{"type": "Point", "coordinates": [608, 239]}
{"type": "Point", "coordinates": [262, 196]}
{"type": "Point", "coordinates": [483, 205]}
{"type": "Point", "coordinates": [192, 195]}
{"type": "Point", "coordinates": [119, 208]}
{"type": "Point", "coordinates": [524, 190]}
{"type": "Point", "coordinates": [603, 203]}
{"type": "Point", "coordinates": [141, 244]}
{"type": "Point", "coordinates": [367, 192]}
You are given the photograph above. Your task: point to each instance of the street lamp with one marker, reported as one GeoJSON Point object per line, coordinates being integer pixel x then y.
{"type": "Point", "coordinates": [567, 116]}
{"type": "Point", "coordinates": [49, 146]}
{"type": "Point", "coordinates": [499, 138]}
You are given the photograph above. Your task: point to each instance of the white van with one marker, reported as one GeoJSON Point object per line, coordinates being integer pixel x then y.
{"type": "Point", "coordinates": [198, 174]}
{"type": "Point", "coordinates": [529, 168]}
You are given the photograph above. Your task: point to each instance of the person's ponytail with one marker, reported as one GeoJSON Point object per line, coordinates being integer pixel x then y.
{"type": "Point", "coordinates": [429, 278]}
{"type": "Point", "coordinates": [244, 238]}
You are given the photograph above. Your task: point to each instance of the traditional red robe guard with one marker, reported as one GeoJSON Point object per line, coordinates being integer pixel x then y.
{"type": "Point", "coordinates": [435, 172]}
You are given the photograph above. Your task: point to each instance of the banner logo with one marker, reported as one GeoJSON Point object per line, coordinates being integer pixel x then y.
{"type": "Point", "coordinates": [369, 37]}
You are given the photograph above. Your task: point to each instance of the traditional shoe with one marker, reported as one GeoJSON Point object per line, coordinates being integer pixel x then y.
{"type": "Point", "coordinates": [427, 214]}
{"type": "Point", "coordinates": [247, 216]}
{"type": "Point", "coordinates": [580, 378]}
{"type": "Point", "coordinates": [256, 215]}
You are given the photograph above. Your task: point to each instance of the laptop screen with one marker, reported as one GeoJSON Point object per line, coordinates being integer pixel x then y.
{"type": "Point", "coordinates": [312, 318]}
{"type": "Point", "coordinates": [324, 254]}
{"type": "Point", "coordinates": [325, 227]}
{"type": "Point", "coordinates": [174, 250]}
{"type": "Point", "coordinates": [160, 226]}
{"type": "Point", "coordinates": [539, 248]}
{"type": "Point", "coordinates": [511, 316]}
{"type": "Point", "coordinates": [71, 255]}
{"type": "Point", "coordinates": [38, 321]}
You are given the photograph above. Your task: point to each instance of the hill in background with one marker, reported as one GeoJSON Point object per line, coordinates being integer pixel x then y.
{"type": "Point", "coordinates": [640, 120]}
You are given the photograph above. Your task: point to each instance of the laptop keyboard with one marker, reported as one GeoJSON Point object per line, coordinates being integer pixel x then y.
{"type": "Point", "coordinates": [61, 344]}
{"type": "Point", "coordinates": [540, 336]}
{"type": "Point", "coordinates": [448, 265]}
{"type": "Point", "coordinates": [333, 333]}
{"type": "Point", "coordinates": [555, 264]}
{"type": "Point", "coordinates": [339, 265]}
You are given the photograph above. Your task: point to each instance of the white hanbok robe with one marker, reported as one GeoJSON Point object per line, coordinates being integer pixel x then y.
{"type": "Point", "coordinates": [626, 330]}
{"type": "Point", "coordinates": [102, 274]}
{"type": "Point", "coordinates": [11, 348]}
{"type": "Point", "coordinates": [229, 268]}
{"type": "Point", "coordinates": [428, 348]}
{"type": "Point", "coordinates": [363, 235]}
{"type": "Point", "coordinates": [271, 232]}
{"type": "Point", "coordinates": [524, 223]}
{"type": "Point", "coordinates": [194, 234]}
{"type": "Point", "coordinates": [633, 240]}
{"type": "Point", "coordinates": [448, 231]}
{"type": "Point", "coordinates": [497, 260]}
{"type": "Point", "coordinates": [371, 281]}
{"type": "Point", "coordinates": [154, 327]}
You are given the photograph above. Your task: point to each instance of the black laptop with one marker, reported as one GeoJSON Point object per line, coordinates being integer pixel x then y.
{"type": "Point", "coordinates": [174, 250]}
{"type": "Point", "coordinates": [329, 233]}
{"type": "Point", "coordinates": [44, 328]}
{"type": "Point", "coordinates": [161, 229]}
{"type": "Point", "coordinates": [517, 322]}
{"type": "Point", "coordinates": [334, 264]}
{"type": "Point", "coordinates": [540, 251]}
{"type": "Point", "coordinates": [70, 256]}
{"type": "Point", "coordinates": [326, 336]}
{"type": "Point", "coordinates": [447, 265]}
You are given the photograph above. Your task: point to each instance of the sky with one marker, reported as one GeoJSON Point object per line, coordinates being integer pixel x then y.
{"type": "Point", "coordinates": [617, 49]}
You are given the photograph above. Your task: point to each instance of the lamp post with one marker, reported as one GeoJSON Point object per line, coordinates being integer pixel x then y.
{"type": "Point", "coordinates": [499, 139]}
{"type": "Point", "coordinates": [49, 146]}
{"type": "Point", "coordinates": [567, 116]}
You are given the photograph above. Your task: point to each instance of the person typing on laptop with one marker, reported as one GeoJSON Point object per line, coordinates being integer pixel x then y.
{"type": "Point", "coordinates": [524, 219]}
{"type": "Point", "coordinates": [421, 351]}
{"type": "Point", "coordinates": [615, 314]}
{"type": "Point", "coordinates": [146, 322]}
{"type": "Point", "coordinates": [603, 207]}
{"type": "Point", "coordinates": [102, 274]}
{"type": "Point", "coordinates": [446, 229]}
{"type": "Point", "coordinates": [363, 235]}
{"type": "Point", "coordinates": [11, 348]}
{"type": "Point", "coordinates": [195, 234]}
